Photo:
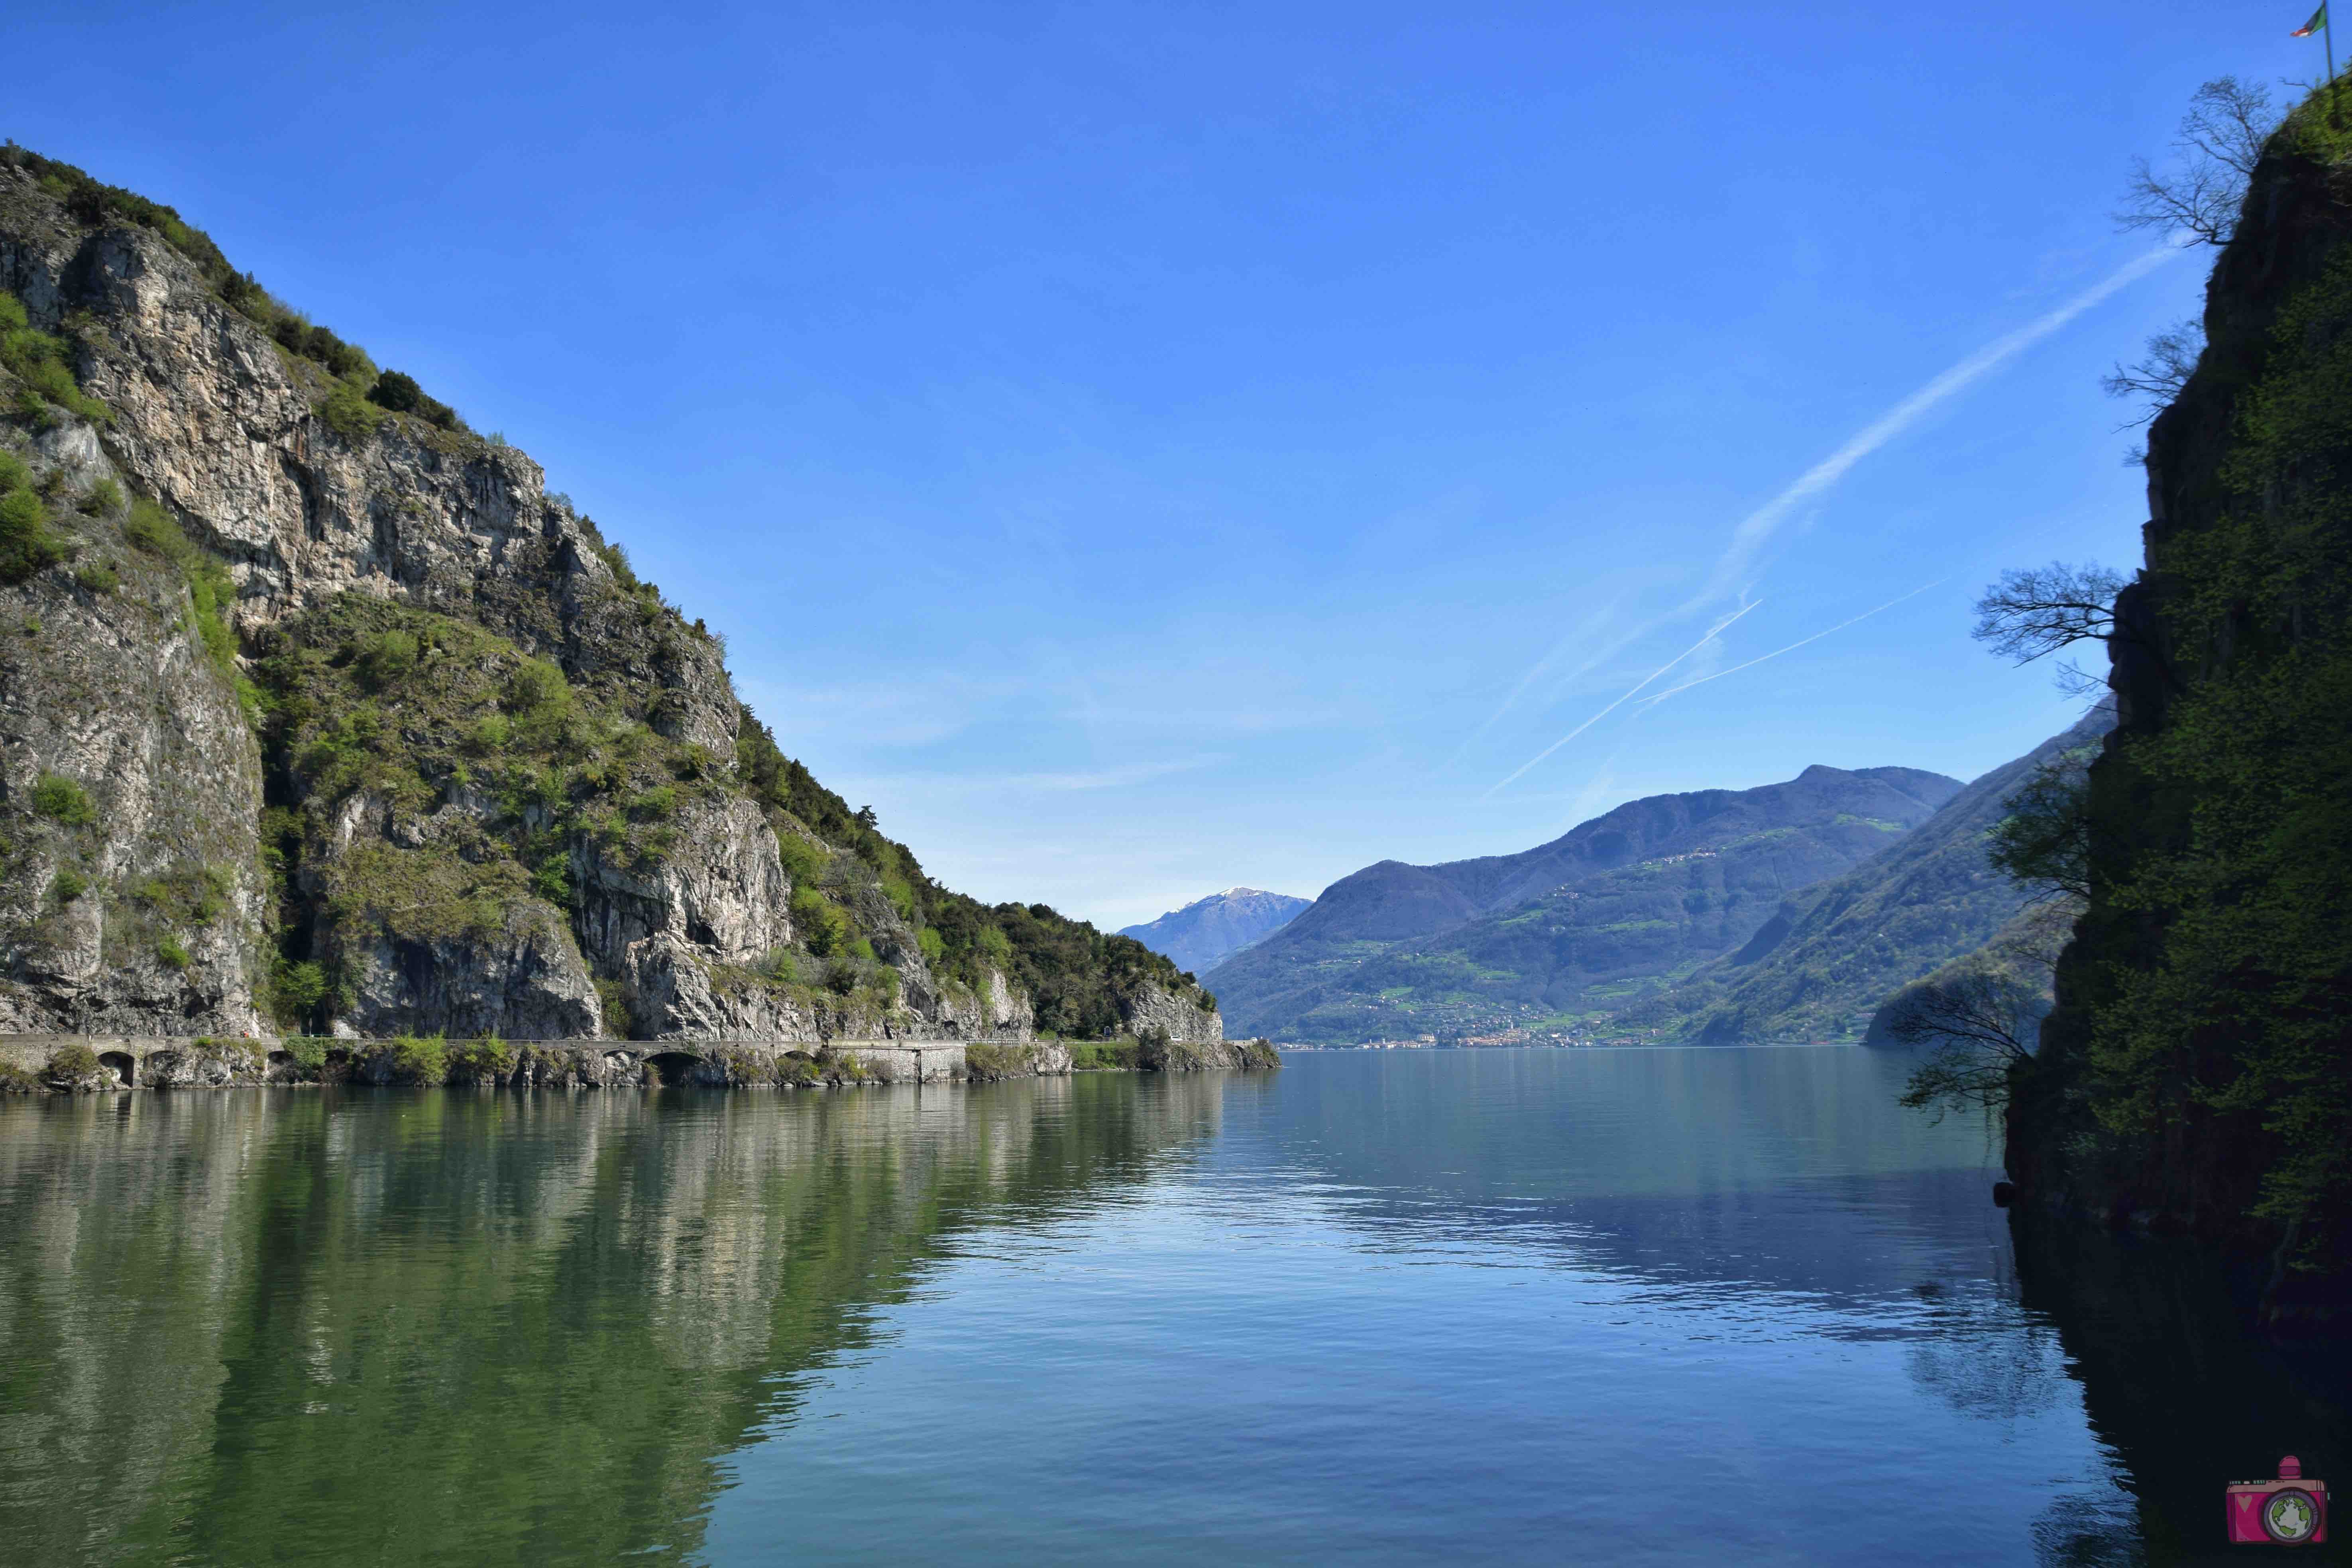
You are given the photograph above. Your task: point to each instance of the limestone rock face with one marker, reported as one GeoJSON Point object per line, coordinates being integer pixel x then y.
{"type": "Point", "coordinates": [211, 419]}
{"type": "Point", "coordinates": [208, 1065]}
{"type": "Point", "coordinates": [515, 972]}
{"type": "Point", "coordinates": [525, 982]}
{"type": "Point", "coordinates": [130, 898]}
{"type": "Point", "coordinates": [722, 891]}
{"type": "Point", "coordinates": [676, 990]}
{"type": "Point", "coordinates": [1200, 1056]}
{"type": "Point", "coordinates": [1180, 1016]}
{"type": "Point", "coordinates": [208, 868]}
{"type": "Point", "coordinates": [1000, 1011]}
{"type": "Point", "coordinates": [672, 994]}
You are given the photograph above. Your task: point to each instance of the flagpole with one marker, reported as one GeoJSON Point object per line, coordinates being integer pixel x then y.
{"type": "Point", "coordinates": [2334, 98]}
{"type": "Point", "coordinates": [2324, 25]}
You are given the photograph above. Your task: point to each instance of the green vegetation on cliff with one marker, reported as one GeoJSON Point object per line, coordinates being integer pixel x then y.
{"type": "Point", "coordinates": [2199, 1066]}
{"type": "Point", "coordinates": [505, 783]}
{"type": "Point", "coordinates": [1073, 972]}
{"type": "Point", "coordinates": [2223, 834]}
{"type": "Point", "coordinates": [393, 712]}
{"type": "Point", "coordinates": [377, 708]}
{"type": "Point", "coordinates": [352, 383]}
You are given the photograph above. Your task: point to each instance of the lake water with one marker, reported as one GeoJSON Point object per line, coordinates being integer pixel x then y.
{"type": "Point", "coordinates": [1622, 1307]}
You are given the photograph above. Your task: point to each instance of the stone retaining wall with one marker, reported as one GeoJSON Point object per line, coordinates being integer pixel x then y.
{"type": "Point", "coordinates": [159, 1061]}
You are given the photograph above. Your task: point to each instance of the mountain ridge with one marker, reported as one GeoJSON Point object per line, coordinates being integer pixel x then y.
{"type": "Point", "coordinates": [1399, 918]}
{"type": "Point", "coordinates": [1831, 957]}
{"type": "Point", "coordinates": [1209, 929]}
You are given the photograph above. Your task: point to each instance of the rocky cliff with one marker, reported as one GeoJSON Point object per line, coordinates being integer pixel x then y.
{"type": "Point", "coordinates": [2197, 1072]}
{"type": "Point", "coordinates": [320, 711]}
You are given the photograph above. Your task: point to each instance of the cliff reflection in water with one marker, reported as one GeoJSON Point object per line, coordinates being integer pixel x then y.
{"type": "Point", "coordinates": [2179, 1390]}
{"type": "Point", "coordinates": [1832, 1217]}
{"type": "Point", "coordinates": [1371, 1307]}
{"type": "Point", "coordinates": [501, 1328]}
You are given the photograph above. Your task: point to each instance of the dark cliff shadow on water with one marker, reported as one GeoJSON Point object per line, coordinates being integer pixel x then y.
{"type": "Point", "coordinates": [2178, 1387]}
{"type": "Point", "coordinates": [398, 1327]}
{"type": "Point", "coordinates": [1814, 1199]}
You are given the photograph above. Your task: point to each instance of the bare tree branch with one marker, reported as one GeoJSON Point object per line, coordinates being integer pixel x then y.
{"type": "Point", "coordinates": [1980, 1016]}
{"type": "Point", "coordinates": [1977, 1022]}
{"type": "Point", "coordinates": [2220, 142]}
{"type": "Point", "coordinates": [2031, 941]}
{"type": "Point", "coordinates": [2073, 680]}
{"type": "Point", "coordinates": [2201, 199]}
{"type": "Point", "coordinates": [1981, 1010]}
{"type": "Point", "coordinates": [2171, 356]}
{"type": "Point", "coordinates": [2228, 121]}
{"type": "Point", "coordinates": [2037, 610]}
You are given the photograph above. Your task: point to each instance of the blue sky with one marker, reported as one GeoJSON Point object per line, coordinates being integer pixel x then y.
{"type": "Point", "coordinates": [1141, 449]}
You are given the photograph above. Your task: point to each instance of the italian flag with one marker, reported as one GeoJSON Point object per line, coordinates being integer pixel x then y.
{"type": "Point", "coordinates": [2318, 20]}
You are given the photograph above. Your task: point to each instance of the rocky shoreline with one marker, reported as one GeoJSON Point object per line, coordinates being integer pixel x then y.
{"type": "Point", "coordinates": [72, 1063]}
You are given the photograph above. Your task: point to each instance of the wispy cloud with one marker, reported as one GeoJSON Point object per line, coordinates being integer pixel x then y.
{"type": "Point", "coordinates": [1580, 637]}
{"type": "Point", "coordinates": [1234, 718]}
{"type": "Point", "coordinates": [1712, 633]}
{"type": "Point", "coordinates": [1657, 697]}
{"type": "Point", "coordinates": [1059, 781]}
{"type": "Point", "coordinates": [1758, 526]}
{"type": "Point", "coordinates": [1106, 778]}
{"type": "Point", "coordinates": [1733, 569]}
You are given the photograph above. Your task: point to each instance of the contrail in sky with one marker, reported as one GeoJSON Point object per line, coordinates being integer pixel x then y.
{"type": "Point", "coordinates": [1657, 697]}
{"type": "Point", "coordinates": [1712, 632]}
{"type": "Point", "coordinates": [1591, 625]}
{"type": "Point", "coordinates": [1758, 526]}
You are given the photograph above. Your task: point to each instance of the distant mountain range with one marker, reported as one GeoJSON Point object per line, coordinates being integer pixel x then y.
{"type": "Point", "coordinates": [1561, 938]}
{"type": "Point", "coordinates": [1208, 931]}
{"type": "Point", "coordinates": [1832, 956]}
